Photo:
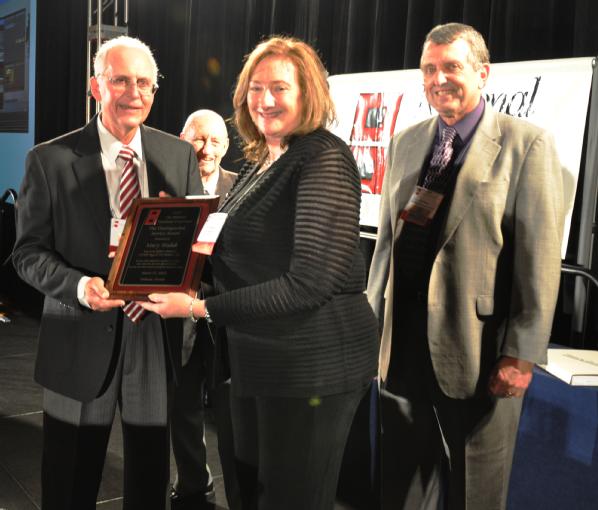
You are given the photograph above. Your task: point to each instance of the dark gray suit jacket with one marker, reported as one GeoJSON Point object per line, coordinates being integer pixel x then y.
{"type": "Point", "coordinates": [225, 182]}
{"type": "Point", "coordinates": [63, 217]}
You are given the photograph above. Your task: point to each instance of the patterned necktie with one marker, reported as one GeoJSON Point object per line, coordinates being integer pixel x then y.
{"type": "Point", "coordinates": [416, 242]}
{"type": "Point", "coordinates": [129, 191]}
{"type": "Point", "coordinates": [443, 152]}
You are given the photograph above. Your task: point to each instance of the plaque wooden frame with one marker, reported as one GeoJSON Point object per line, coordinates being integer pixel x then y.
{"type": "Point", "coordinates": [154, 224]}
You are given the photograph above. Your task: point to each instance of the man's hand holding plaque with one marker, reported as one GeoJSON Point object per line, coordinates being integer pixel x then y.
{"type": "Point", "coordinates": [97, 296]}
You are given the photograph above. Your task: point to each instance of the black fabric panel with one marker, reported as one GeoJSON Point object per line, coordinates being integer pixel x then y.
{"type": "Point", "coordinates": [200, 44]}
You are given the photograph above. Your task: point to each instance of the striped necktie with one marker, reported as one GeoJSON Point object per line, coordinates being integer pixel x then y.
{"type": "Point", "coordinates": [129, 191]}
{"type": "Point", "coordinates": [129, 181]}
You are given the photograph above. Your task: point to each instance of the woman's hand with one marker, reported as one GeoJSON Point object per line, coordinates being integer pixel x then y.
{"type": "Point", "coordinates": [173, 304]}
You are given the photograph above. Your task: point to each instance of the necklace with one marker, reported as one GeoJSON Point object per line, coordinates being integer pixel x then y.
{"type": "Point", "coordinates": [270, 160]}
{"type": "Point", "coordinates": [233, 201]}
{"type": "Point", "coordinates": [266, 164]}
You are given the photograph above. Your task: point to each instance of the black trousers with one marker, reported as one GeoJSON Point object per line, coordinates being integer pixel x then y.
{"type": "Point", "coordinates": [73, 461]}
{"type": "Point", "coordinates": [188, 420]}
{"type": "Point", "coordinates": [76, 434]}
{"type": "Point", "coordinates": [226, 450]}
{"type": "Point", "coordinates": [289, 450]}
{"type": "Point", "coordinates": [188, 425]}
{"type": "Point", "coordinates": [436, 451]}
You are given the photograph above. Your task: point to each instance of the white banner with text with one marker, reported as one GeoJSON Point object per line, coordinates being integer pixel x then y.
{"type": "Point", "coordinates": [371, 107]}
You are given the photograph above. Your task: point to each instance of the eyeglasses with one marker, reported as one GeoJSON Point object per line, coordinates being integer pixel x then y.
{"type": "Point", "coordinates": [121, 83]}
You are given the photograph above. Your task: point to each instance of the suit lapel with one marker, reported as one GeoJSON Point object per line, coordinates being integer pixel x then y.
{"type": "Point", "coordinates": [221, 184]}
{"type": "Point", "coordinates": [224, 184]}
{"type": "Point", "coordinates": [153, 163]}
{"type": "Point", "coordinates": [412, 161]}
{"type": "Point", "coordinates": [89, 174]}
{"type": "Point", "coordinates": [476, 169]}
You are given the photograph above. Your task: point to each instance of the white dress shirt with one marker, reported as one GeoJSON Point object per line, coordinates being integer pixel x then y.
{"type": "Point", "coordinates": [110, 148]}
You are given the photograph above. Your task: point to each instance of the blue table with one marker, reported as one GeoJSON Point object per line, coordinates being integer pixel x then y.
{"type": "Point", "coordinates": [556, 457]}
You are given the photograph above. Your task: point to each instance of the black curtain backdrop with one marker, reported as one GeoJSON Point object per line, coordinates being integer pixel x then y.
{"type": "Point", "coordinates": [200, 44]}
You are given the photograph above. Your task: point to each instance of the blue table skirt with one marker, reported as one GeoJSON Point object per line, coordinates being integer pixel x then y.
{"type": "Point", "coordinates": [556, 457]}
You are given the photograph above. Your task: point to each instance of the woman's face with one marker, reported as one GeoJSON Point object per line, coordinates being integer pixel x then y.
{"type": "Point", "coordinates": [274, 98]}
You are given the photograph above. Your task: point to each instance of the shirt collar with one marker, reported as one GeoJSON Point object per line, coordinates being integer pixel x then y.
{"type": "Point", "coordinates": [466, 126]}
{"type": "Point", "coordinates": [111, 145]}
{"type": "Point", "coordinates": [210, 185]}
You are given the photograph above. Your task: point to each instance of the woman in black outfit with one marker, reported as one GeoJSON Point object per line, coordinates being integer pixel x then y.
{"type": "Point", "coordinates": [290, 283]}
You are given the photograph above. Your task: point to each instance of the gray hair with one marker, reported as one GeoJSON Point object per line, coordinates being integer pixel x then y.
{"type": "Point", "coordinates": [207, 114]}
{"type": "Point", "coordinates": [123, 41]}
{"type": "Point", "coordinates": [450, 32]}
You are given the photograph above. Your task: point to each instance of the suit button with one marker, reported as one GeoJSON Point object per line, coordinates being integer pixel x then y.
{"type": "Point", "coordinates": [110, 328]}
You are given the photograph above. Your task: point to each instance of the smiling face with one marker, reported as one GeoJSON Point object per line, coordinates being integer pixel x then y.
{"type": "Point", "coordinates": [274, 98]}
{"type": "Point", "coordinates": [453, 86]}
{"type": "Point", "coordinates": [123, 111]}
{"type": "Point", "coordinates": [207, 133]}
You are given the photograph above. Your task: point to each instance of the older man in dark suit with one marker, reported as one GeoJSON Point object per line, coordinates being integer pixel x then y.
{"type": "Point", "coordinates": [464, 280]}
{"type": "Point", "coordinates": [193, 487]}
{"type": "Point", "coordinates": [95, 352]}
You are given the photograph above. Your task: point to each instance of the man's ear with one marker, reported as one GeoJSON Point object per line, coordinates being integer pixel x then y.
{"type": "Point", "coordinates": [484, 72]}
{"type": "Point", "coordinates": [94, 88]}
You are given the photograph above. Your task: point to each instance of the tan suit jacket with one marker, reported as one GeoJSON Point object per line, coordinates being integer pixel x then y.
{"type": "Point", "coordinates": [494, 281]}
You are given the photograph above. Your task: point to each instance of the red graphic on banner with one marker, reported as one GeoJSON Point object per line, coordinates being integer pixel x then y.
{"type": "Point", "coordinates": [375, 118]}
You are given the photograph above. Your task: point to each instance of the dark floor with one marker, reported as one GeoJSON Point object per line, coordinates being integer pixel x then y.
{"type": "Point", "coordinates": [20, 426]}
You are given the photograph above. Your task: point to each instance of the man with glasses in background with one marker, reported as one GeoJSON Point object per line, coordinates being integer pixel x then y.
{"type": "Point", "coordinates": [94, 352]}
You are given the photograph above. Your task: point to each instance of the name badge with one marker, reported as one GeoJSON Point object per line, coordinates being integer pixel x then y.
{"type": "Point", "coordinates": [117, 225]}
{"type": "Point", "coordinates": [209, 233]}
{"type": "Point", "coordinates": [422, 206]}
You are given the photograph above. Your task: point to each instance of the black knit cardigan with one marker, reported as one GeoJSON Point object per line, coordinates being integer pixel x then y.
{"type": "Point", "coordinates": [290, 276]}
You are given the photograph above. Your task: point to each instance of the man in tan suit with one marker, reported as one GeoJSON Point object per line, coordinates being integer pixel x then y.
{"type": "Point", "coordinates": [464, 280]}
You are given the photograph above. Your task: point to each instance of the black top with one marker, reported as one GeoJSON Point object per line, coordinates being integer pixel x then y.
{"type": "Point", "coordinates": [290, 276]}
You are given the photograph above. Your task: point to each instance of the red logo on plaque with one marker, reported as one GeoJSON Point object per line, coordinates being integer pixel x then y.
{"type": "Point", "coordinates": [152, 217]}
